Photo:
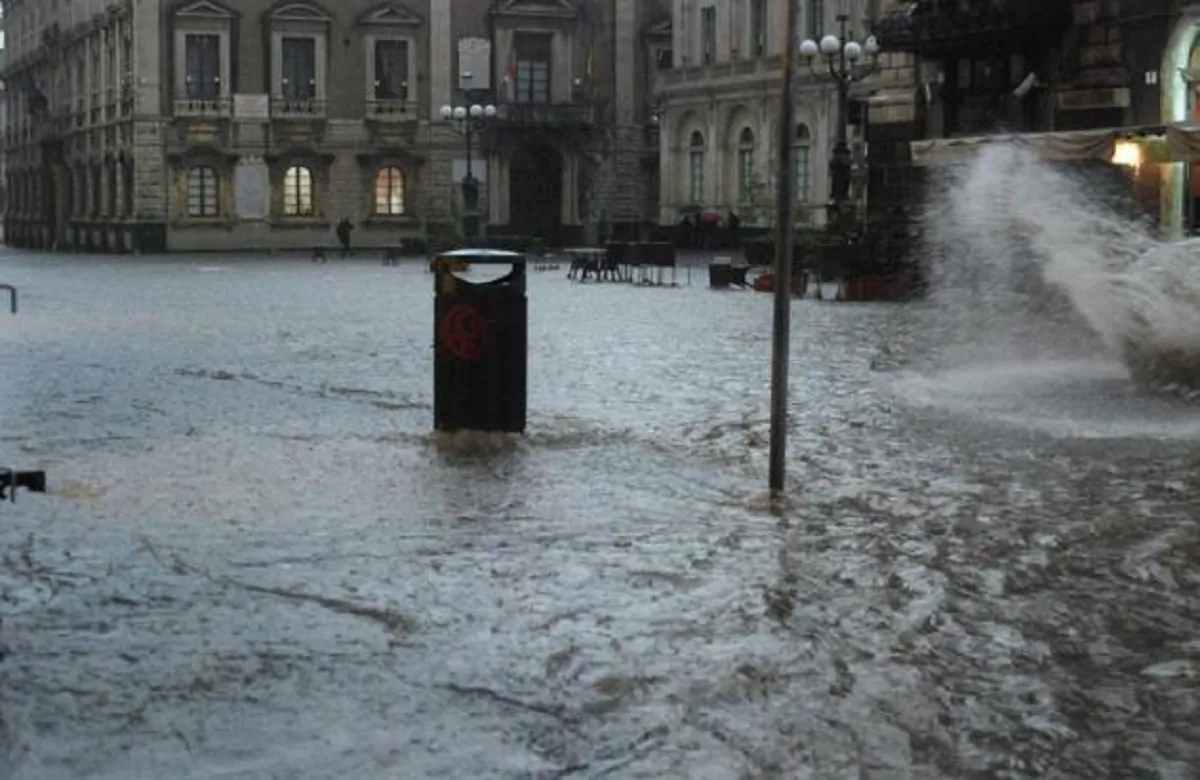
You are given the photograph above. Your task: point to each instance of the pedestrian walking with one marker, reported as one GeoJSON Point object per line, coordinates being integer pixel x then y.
{"type": "Point", "coordinates": [343, 235]}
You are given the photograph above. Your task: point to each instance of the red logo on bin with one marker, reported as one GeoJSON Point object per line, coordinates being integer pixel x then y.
{"type": "Point", "coordinates": [463, 330]}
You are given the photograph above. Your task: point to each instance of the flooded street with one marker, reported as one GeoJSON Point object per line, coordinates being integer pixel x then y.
{"type": "Point", "coordinates": [256, 561]}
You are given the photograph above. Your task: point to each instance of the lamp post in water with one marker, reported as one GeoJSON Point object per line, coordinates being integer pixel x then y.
{"type": "Point", "coordinates": [847, 61]}
{"type": "Point", "coordinates": [469, 120]}
{"type": "Point", "coordinates": [785, 185]}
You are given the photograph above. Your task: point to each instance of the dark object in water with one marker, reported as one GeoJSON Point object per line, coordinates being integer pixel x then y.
{"type": "Point", "coordinates": [33, 481]}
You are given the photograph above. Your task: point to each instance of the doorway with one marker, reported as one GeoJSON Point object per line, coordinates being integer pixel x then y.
{"type": "Point", "coordinates": [535, 192]}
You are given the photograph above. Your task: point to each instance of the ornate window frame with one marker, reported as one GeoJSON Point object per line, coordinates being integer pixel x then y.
{"type": "Point", "coordinates": [201, 17]}
{"type": "Point", "coordinates": [298, 19]}
{"type": "Point", "coordinates": [391, 22]}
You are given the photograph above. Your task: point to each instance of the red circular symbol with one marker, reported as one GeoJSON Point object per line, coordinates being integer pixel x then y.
{"type": "Point", "coordinates": [463, 330]}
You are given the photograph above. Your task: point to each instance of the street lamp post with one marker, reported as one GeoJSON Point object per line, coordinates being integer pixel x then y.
{"type": "Point", "coordinates": [468, 121]}
{"type": "Point", "coordinates": [847, 62]}
{"type": "Point", "coordinates": [781, 325]}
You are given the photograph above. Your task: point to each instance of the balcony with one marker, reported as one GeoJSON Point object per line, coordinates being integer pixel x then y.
{"type": "Point", "coordinates": [392, 110]}
{"type": "Point", "coordinates": [202, 108]}
{"type": "Point", "coordinates": [947, 27]}
{"type": "Point", "coordinates": [544, 115]}
{"type": "Point", "coordinates": [729, 70]}
{"type": "Point", "coordinates": [304, 108]}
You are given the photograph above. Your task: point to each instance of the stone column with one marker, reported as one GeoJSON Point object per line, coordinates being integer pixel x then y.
{"type": "Point", "coordinates": [119, 206]}
{"type": "Point", "coordinates": [151, 191]}
{"type": "Point", "coordinates": [441, 59]}
{"type": "Point", "coordinates": [666, 166]}
{"type": "Point", "coordinates": [626, 58]}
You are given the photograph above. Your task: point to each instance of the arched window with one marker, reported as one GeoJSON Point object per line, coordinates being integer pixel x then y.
{"type": "Point", "coordinates": [747, 176]}
{"type": "Point", "coordinates": [803, 148]}
{"type": "Point", "coordinates": [696, 167]}
{"type": "Point", "coordinates": [298, 191]}
{"type": "Point", "coordinates": [389, 191]}
{"type": "Point", "coordinates": [201, 191]}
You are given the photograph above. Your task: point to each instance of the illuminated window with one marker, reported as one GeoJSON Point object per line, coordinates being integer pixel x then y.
{"type": "Point", "coordinates": [389, 191]}
{"type": "Point", "coordinates": [297, 191]}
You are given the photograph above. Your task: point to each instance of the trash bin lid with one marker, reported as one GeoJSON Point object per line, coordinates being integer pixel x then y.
{"type": "Point", "coordinates": [484, 256]}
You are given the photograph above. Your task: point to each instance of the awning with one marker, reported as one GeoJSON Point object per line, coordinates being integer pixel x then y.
{"type": "Point", "coordinates": [1183, 140]}
{"type": "Point", "coordinates": [1056, 147]}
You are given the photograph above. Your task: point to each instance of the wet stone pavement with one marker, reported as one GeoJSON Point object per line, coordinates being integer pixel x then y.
{"type": "Point", "coordinates": [257, 562]}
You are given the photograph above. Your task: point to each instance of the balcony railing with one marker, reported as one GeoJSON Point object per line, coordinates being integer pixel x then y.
{"type": "Point", "coordinates": [202, 107]}
{"type": "Point", "coordinates": [392, 110]}
{"type": "Point", "coordinates": [940, 25]}
{"type": "Point", "coordinates": [720, 70]}
{"type": "Point", "coordinates": [290, 108]}
{"type": "Point", "coordinates": [563, 115]}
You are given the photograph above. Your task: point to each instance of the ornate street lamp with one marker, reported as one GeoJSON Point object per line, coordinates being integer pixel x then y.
{"type": "Point", "coordinates": [468, 121]}
{"type": "Point", "coordinates": [847, 61]}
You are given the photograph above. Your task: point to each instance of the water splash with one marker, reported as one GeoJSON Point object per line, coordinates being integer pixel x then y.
{"type": "Point", "coordinates": [1032, 254]}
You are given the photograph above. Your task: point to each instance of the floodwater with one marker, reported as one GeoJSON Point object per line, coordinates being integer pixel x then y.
{"type": "Point", "coordinates": [256, 562]}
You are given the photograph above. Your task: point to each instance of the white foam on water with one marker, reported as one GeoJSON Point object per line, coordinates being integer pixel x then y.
{"type": "Point", "coordinates": [1053, 292]}
{"type": "Point", "coordinates": [1063, 398]}
{"type": "Point", "coordinates": [1009, 219]}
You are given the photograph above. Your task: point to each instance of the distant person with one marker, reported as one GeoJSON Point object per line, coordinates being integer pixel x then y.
{"type": "Point", "coordinates": [343, 235]}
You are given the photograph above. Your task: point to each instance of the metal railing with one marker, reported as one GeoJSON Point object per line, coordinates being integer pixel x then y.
{"type": "Point", "coordinates": [202, 107]}
{"type": "Point", "coordinates": [544, 114]}
{"type": "Point", "coordinates": [298, 108]}
{"type": "Point", "coordinates": [392, 110]}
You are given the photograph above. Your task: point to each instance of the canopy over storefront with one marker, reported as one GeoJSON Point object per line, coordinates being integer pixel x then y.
{"type": "Point", "coordinates": [1156, 144]}
{"type": "Point", "coordinates": [1183, 141]}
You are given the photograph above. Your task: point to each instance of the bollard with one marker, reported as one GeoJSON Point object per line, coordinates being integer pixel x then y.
{"type": "Point", "coordinates": [480, 344]}
{"type": "Point", "coordinates": [12, 296]}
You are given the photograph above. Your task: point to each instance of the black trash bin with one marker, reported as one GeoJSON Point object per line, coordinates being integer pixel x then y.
{"type": "Point", "coordinates": [480, 344]}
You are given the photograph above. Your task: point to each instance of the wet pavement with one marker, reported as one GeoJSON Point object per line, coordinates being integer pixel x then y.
{"type": "Point", "coordinates": [256, 561]}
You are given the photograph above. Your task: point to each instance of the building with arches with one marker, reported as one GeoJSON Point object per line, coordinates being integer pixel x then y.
{"type": "Point", "coordinates": [719, 104]}
{"type": "Point", "coordinates": [255, 124]}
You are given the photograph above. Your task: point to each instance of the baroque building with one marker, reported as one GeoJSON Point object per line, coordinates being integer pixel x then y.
{"type": "Point", "coordinates": [239, 124]}
{"type": "Point", "coordinates": [719, 102]}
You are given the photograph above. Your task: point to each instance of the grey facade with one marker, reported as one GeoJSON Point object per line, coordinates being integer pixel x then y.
{"type": "Point", "coordinates": [234, 124]}
{"type": "Point", "coordinates": [720, 102]}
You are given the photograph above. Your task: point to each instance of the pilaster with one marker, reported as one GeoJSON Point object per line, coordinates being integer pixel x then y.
{"type": "Point", "coordinates": [441, 60]}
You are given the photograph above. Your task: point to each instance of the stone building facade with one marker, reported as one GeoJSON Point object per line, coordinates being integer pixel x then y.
{"type": "Point", "coordinates": [720, 103]}
{"type": "Point", "coordinates": [1131, 67]}
{"type": "Point", "coordinates": [241, 125]}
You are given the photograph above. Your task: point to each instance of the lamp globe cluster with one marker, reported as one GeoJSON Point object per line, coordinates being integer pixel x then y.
{"type": "Point", "coordinates": [474, 111]}
{"type": "Point", "coordinates": [831, 46]}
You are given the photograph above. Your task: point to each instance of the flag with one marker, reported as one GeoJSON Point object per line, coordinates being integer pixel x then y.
{"type": "Point", "coordinates": [511, 77]}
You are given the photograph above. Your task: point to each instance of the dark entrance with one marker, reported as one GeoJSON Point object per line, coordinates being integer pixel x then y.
{"type": "Point", "coordinates": [535, 192]}
{"type": "Point", "coordinates": [52, 211]}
